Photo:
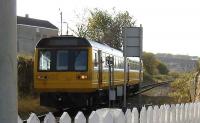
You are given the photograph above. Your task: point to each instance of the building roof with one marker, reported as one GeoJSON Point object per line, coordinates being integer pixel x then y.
{"type": "Point", "coordinates": [35, 22]}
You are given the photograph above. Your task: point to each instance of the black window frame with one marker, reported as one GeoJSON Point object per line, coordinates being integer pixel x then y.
{"type": "Point", "coordinates": [54, 60]}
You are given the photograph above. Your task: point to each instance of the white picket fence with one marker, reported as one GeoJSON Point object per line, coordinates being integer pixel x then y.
{"type": "Point", "coordinates": [179, 113]}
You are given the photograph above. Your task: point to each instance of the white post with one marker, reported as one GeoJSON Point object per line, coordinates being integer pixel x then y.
{"type": "Point", "coordinates": [8, 71]}
{"type": "Point", "coordinates": [162, 114]}
{"type": "Point", "coordinates": [49, 118]}
{"type": "Point", "coordinates": [173, 114]}
{"type": "Point", "coordinates": [94, 118]}
{"type": "Point", "coordinates": [65, 118]}
{"type": "Point", "coordinates": [181, 113]}
{"type": "Point", "coordinates": [186, 116]}
{"type": "Point", "coordinates": [150, 114]}
{"type": "Point", "coordinates": [167, 113]}
{"type": "Point", "coordinates": [135, 116]}
{"type": "Point", "coordinates": [19, 120]}
{"type": "Point", "coordinates": [33, 119]}
{"type": "Point", "coordinates": [177, 113]}
{"type": "Point", "coordinates": [128, 116]}
{"type": "Point", "coordinates": [143, 115]}
{"type": "Point", "coordinates": [156, 114]}
{"type": "Point", "coordinates": [80, 118]}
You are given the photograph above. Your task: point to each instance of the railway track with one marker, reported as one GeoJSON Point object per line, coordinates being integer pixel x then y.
{"type": "Point", "coordinates": [73, 110]}
{"type": "Point", "coordinates": [151, 86]}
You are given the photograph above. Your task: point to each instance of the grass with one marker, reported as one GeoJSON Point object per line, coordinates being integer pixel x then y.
{"type": "Point", "coordinates": [28, 104]}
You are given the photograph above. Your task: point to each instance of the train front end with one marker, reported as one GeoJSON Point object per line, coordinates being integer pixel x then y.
{"type": "Point", "coordinates": [62, 71]}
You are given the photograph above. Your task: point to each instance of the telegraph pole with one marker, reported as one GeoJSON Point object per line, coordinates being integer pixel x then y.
{"type": "Point", "coordinates": [8, 62]}
{"type": "Point", "coordinates": [61, 22]}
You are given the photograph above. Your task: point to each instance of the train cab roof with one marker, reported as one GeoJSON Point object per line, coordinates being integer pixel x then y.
{"type": "Point", "coordinates": [71, 41]}
{"type": "Point", "coordinates": [63, 41]}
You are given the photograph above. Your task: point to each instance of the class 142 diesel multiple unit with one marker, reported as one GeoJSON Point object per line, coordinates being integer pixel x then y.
{"type": "Point", "coordinates": [72, 71]}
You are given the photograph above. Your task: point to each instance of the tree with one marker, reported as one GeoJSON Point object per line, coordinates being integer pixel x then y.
{"type": "Point", "coordinates": [106, 28]}
{"type": "Point", "coordinates": [162, 68]}
{"type": "Point", "coordinates": [99, 25]}
{"type": "Point", "coordinates": [81, 30]}
{"type": "Point", "coordinates": [150, 63]}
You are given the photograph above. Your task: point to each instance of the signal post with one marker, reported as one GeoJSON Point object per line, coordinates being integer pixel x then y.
{"type": "Point", "coordinates": [132, 47]}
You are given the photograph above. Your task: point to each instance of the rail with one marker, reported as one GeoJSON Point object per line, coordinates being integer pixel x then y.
{"type": "Point", "coordinates": [151, 86]}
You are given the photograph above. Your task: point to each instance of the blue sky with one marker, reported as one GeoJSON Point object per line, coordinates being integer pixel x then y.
{"type": "Point", "coordinates": [170, 26]}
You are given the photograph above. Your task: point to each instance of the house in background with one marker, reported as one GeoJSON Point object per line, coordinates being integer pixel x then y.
{"type": "Point", "coordinates": [30, 31]}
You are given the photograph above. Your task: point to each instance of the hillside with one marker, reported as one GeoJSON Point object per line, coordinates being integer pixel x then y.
{"type": "Point", "coordinates": [178, 63]}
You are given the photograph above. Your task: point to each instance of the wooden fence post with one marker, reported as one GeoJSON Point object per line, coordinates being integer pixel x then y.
{"type": "Point", "coordinates": [150, 114]}
{"type": "Point", "coordinates": [195, 113]}
{"type": "Point", "coordinates": [156, 114]}
{"type": "Point", "coordinates": [190, 112]}
{"type": "Point", "coordinates": [198, 111]}
{"type": "Point", "coordinates": [186, 112]}
{"type": "Point", "coordinates": [143, 115]}
{"type": "Point", "coordinates": [49, 118]}
{"type": "Point", "coordinates": [135, 116]}
{"type": "Point", "coordinates": [107, 118]}
{"type": "Point", "coordinates": [33, 119]}
{"type": "Point", "coordinates": [19, 120]}
{"type": "Point", "coordinates": [65, 118]}
{"type": "Point", "coordinates": [182, 113]}
{"type": "Point", "coordinates": [173, 114]}
{"type": "Point", "coordinates": [167, 113]}
{"type": "Point", "coordinates": [94, 118]}
{"type": "Point", "coordinates": [128, 116]}
{"type": "Point", "coordinates": [118, 115]}
{"type": "Point", "coordinates": [80, 118]}
{"type": "Point", "coordinates": [177, 113]}
{"type": "Point", "coordinates": [162, 114]}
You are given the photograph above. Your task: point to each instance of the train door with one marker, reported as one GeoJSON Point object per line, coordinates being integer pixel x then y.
{"type": "Point", "coordinates": [100, 68]}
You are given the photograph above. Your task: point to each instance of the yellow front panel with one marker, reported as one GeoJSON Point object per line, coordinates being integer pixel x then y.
{"type": "Point", "coordinates": [64, 81]}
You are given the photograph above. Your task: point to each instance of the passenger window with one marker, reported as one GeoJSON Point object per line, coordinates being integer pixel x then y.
{"type": "Point", "coordinates": [115, 62]}
{"type": "Point", "coordinates": [103, 59]}
{"type": "Point", "coordinates": [95, 59]}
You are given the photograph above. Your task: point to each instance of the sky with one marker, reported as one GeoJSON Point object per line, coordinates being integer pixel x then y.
{"type": "Point", "coordinates": [169, 26]}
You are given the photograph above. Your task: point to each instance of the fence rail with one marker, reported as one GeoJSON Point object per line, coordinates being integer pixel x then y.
{"type": "Point", "coordinates": [179, 113]}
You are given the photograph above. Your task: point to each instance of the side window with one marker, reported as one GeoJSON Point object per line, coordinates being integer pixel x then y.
{"type": "Point", "coordinates": [95, 58]}
{"type": "Point", "coordinates": [106, 65]}
{"type": "Point", "coordinates": [120, 63]}
{"type": "Point", "coordinates": [115, 63]}
{"type": "Point", "coordinates": [104, 59]}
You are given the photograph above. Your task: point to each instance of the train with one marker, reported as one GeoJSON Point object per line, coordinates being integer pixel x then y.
{"type": "Point", "coordinates": [72, 71]}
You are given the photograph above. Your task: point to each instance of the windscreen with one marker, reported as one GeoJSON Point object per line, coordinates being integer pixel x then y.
{"type": "Point", "coordinates": [63, 60]}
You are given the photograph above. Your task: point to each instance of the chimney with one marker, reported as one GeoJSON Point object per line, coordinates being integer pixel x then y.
{"type": "Point", "coordinates": [27, 15]}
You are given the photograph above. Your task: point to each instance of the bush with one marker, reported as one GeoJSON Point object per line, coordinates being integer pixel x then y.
{"type": "Point", "coordinates": [147, 77]}
{"type": "Point", "coordinates": [25, 76]}
{"type": "Point", "coordinates": [182, 87]}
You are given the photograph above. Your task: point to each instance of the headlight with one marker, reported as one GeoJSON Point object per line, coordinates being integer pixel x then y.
{"type": "Point", "coordinates": [83, 76]}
